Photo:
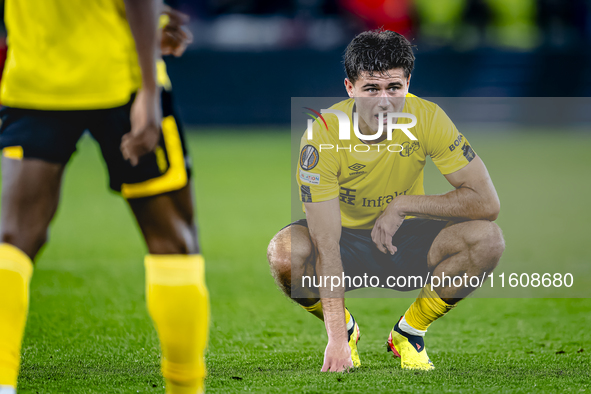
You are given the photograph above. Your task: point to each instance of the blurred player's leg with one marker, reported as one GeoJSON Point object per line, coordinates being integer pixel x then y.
{"type": "Point", "coordinates": [177, 297]}
{"type": "Point", "coordinates": [158, 190]}
{"type": "Point", "coordinates": [15, 273]}
{"type": "Point", "coordinates": [30, 194]}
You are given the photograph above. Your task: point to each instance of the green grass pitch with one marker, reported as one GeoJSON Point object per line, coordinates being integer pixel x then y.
{"type": "Point", "coordinates": [89, 332]}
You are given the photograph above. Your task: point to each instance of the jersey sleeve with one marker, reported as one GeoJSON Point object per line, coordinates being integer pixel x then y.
{"type": "Point", "coordinates": [318, 167]}
{"type": "Point", "coordinates": [448, 148]}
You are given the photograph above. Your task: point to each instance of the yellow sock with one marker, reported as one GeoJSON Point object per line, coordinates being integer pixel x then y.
{"type": "Point", "coordinates": [178, 302]}
{"type": "Point", "coordinates": [427, 308]}
{"type": "Point", "coordinates": [15, 274]}
{"type": "Point", "coordinates": [316, 310]}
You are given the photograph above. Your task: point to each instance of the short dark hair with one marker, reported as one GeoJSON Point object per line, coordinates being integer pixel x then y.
{"type": "Point", "coordinates": [377, 51]}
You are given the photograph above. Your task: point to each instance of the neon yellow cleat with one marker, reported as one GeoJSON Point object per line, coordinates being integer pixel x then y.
{"type": "Point", "coordinates": [410, 349]}
{"type": "Point", "coordinates": [354, 336]}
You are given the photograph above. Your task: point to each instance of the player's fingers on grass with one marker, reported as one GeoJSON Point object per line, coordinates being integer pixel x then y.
{"type": "Point", "coordinates": [336, 365]}
{"type": "Point", "coordinates": [343, 366]}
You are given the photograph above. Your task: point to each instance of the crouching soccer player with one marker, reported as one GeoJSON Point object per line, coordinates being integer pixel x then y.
{"type": "Point", "coordinates": [75, 66]}
{"type": "Point", "coordinates": [366, 212]}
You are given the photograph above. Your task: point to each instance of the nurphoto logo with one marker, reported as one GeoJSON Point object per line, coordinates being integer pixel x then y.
{"type": "Point", "coordinates": [345, 129]}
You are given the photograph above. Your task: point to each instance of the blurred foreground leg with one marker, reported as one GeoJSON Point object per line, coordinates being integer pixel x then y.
{"type": "Point", "coordinates": [178, 303]}
{"type": "Point", "coordinates": [15, 273]}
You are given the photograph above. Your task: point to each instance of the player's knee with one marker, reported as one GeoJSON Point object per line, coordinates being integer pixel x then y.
{"type": "Point", "coordinates": [279, 255]}
{"type": "Point", "coordinates": [485, 241]}
{"type": "Point", "coordinates": [290, 248]}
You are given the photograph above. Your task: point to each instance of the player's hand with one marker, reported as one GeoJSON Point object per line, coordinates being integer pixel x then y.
{"type": "Point", "coordinates": [146, 117]}
{"type": "Point", "coordinates": [385, 227]}
{"type": "Point", "coordinates": [175, 35]}
{"type": "Point", "coordinates": [337, 356]}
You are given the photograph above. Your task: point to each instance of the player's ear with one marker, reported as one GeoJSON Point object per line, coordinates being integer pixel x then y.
{"type": "Point", "coordinates": [408, 81]}
{"type": "Point", "coordinates": [349, 87]}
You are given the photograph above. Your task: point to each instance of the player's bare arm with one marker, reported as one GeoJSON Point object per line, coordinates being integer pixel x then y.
{"type": "Point", "coordinates": [146, 114]}
{"type": "Point", "coordinates": [474, 198]}
{"type": "Point", "coordinates": [324, 223]}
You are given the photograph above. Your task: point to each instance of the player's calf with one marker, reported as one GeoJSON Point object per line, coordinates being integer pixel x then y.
{"type": "Point", "coordinates": [29, 242]}
{"type": "Point", "coordinates": [467, 249]}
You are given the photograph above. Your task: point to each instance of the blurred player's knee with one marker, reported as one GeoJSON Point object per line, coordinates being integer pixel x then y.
{"type": "Point", "coordinates": [15, 274]}
{"type": "Point", "coordinates": [288, 253]}
{"type": "Point", "coordinates": [279, 257]}
{"type": "Point", "coordinates": [178, 303]}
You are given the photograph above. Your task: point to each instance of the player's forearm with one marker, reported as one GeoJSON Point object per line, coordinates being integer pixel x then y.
{"type": "Point", "coordinates": [324, 224]}
{"type": "Point", "coordinates": [142, 16]}
{"type": "Point", "coordinates": [334, 318]}
{"type": "Point", "coordinates": [462, 203]}
{"type": "Point", "coordinates": [329, 265]}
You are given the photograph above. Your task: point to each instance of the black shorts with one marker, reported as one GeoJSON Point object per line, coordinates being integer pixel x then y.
{"type": "Point", "coordinates": [52, 136]}
{"type": "Point", "coordinates": [362, 259]}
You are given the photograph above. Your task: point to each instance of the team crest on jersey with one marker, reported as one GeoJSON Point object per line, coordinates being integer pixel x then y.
{"type": "Point", "coordinates": [309, 157]}
{"type": "Point", "coordinates": [408, 148]}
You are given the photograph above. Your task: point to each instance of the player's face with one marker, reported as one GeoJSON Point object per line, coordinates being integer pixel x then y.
{"type": "Point", "coordinates": [378, 93]}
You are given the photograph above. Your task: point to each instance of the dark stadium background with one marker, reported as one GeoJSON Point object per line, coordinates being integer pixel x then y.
{"type": "Point", "coordinates": [250, 56]}
{"type": "Point", "coordinates": [234, 76]}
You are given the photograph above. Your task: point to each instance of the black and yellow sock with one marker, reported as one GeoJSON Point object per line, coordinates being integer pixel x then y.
{"type": "Point", "coordinates": [427, 308]}
{"type": "Point", "coordinates": [15, 275]}
{"type": "Point", "coordinates": [178, 302]}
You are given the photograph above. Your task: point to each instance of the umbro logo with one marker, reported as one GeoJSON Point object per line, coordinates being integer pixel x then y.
{"type": "Point", "coordinates": [356, 167]}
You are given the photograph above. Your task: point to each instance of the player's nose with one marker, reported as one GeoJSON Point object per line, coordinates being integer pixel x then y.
{"type": "Point", "coordinates": [383, 100]}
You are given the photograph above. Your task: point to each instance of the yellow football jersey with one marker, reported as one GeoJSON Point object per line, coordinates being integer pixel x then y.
{"type": "Point", "coordinates": [68, 55]}
{"type": "Point", "coordinates": [366, 177]}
